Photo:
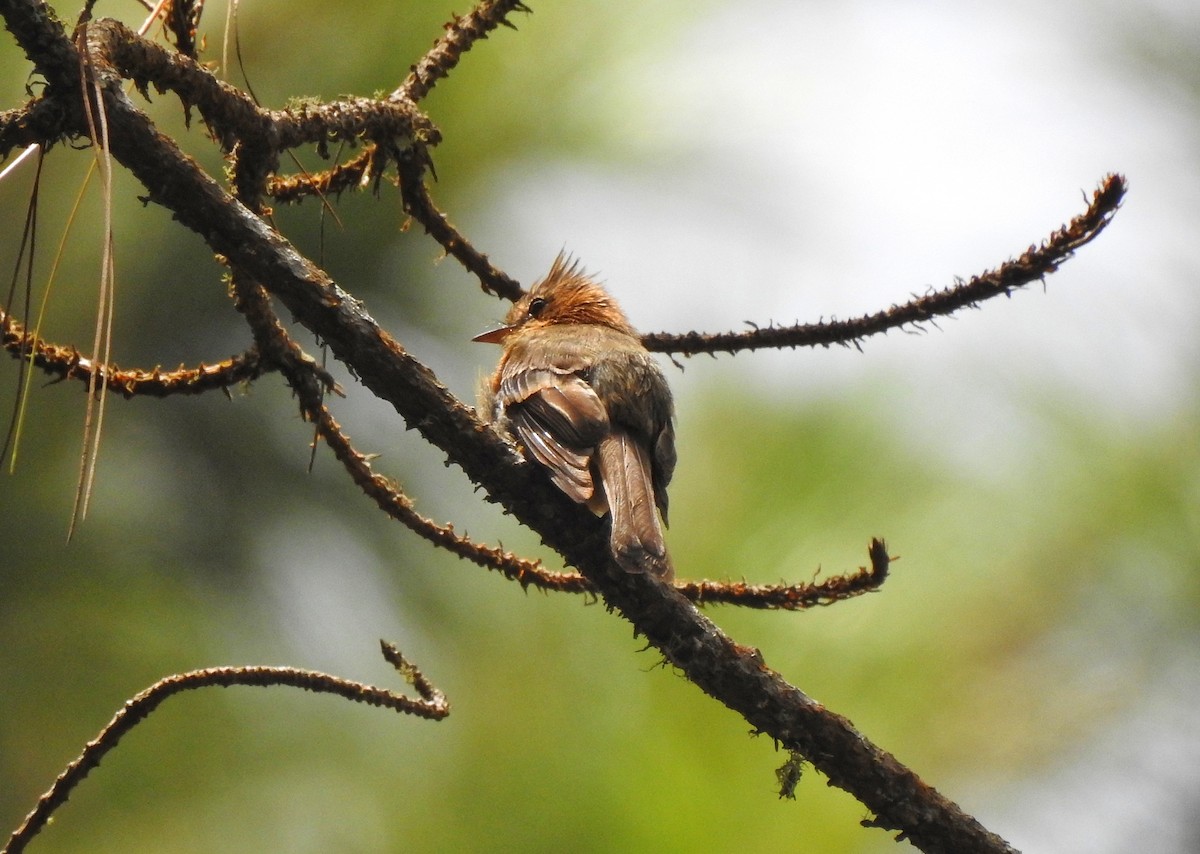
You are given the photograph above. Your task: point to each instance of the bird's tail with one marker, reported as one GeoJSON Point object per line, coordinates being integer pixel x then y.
{"type": "Point", "coordinates": [637, 533]}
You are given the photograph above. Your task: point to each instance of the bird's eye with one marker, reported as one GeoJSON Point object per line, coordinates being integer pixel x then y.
{"type": "Point", "coordinates": [536, 306]}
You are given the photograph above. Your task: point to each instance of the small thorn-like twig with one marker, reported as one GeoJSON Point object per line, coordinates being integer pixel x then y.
{"type": "Point", "coordinates": [794, 597]}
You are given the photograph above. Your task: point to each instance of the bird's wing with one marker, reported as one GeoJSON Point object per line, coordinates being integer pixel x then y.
{"type": "Point", "coordinates": [559, 419]}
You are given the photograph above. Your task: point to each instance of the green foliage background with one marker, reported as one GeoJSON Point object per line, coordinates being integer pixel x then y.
{"type": "Point", "coordinates": [1031, 608]}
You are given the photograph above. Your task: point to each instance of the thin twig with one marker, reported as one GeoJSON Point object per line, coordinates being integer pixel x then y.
{"type": "Point", "coordinates": [419, 205]}
{"type": "Point", "coordinates": [1033, 265]}
{"type": "Point", "coordinates": [63, 362]}
{"type": "Point", "coordinates": [461, 34]}
{"type": "Point", "coordinates": [432, 705]}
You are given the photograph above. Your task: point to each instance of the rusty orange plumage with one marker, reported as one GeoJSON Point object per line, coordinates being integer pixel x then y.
{"type": "Point", "coordinates": [588, 402]}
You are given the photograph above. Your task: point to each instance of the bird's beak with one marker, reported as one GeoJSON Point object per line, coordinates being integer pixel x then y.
{"type": "Point", "coordinates": [496, 336]}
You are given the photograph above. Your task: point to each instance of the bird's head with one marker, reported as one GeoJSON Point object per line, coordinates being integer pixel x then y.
{"type": "Point", "coordinates": [567, 295]}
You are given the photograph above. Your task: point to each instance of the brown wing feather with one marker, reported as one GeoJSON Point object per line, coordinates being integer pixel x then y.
{"type": "Point", "coordinates": [565, 404]}
{"type": "Point", "coordinates": [559, 420]}
{"type": "Point", "coordinates": [571, 413]}
{"type": "Point", "coordinates": [569, 469]}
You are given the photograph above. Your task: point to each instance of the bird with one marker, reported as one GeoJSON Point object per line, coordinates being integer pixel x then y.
{"type": "Point", "coordinates": [586, 400]}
